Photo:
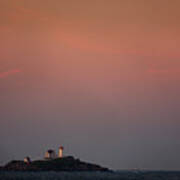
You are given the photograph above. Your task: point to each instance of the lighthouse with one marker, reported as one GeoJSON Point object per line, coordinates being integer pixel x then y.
{"type": "Point", "coordinates": [60, 154]}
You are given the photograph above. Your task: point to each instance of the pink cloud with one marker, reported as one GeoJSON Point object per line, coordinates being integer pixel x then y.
{"type": "Point", "coordinates": [8, 73]}
{"type": "Point", "coordinates": [159, 71]}
{"type": "Point", "coordinates": [166, 71]}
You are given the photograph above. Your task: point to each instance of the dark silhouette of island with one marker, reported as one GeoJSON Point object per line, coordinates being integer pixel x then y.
{"type": "Point", "coordinates": [68, 163]}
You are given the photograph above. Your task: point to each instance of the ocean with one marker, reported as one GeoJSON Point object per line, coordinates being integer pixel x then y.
{"type": "Point", "coordinates": [118, 175]}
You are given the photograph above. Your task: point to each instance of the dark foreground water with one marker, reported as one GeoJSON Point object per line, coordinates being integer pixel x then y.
{"type": "Point", "coordinates": [120, 175]}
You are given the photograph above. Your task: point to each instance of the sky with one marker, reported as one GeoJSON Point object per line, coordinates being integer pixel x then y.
{"type": "Point", "coordinates": [99, 77]}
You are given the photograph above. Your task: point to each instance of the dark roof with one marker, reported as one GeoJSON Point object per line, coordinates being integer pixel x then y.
{"type": "Point", "coordinates": [27, 158]}
{"type": "Point", "coordinates": [61, 147]}
{"type": "Point", "coordinates": [50, 151]}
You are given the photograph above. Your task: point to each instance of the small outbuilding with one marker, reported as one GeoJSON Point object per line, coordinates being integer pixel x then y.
{"type": "Point", "coordinates": [27, 160]}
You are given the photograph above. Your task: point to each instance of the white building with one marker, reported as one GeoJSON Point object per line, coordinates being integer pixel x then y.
{"type": "Point", "coordinates": [50, 154]}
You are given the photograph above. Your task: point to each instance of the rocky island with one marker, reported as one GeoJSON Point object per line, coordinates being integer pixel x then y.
{"type": "Point", "coordinates": [52, 162]}
{"type": "Point", "coordinates": [68, 163]}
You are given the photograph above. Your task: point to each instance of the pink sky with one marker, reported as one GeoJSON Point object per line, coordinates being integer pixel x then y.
{"type": "Point", "coordinates": [91, 74]}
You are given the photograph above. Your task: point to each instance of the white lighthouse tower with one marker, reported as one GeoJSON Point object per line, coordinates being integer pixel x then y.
{"type": "Point", "coordinates": [60, 153]}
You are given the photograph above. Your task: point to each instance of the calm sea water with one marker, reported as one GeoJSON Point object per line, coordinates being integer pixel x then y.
{"type": "Point", "coordinates": [118, 175]}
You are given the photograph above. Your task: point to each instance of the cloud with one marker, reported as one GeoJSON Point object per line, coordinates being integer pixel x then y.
{"type": "Point", "coordinates": [8, 73]}
{"type": "Point", "coordinates": [164, 71]}
{"type": "Point", "coordinates": [158, 71]}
